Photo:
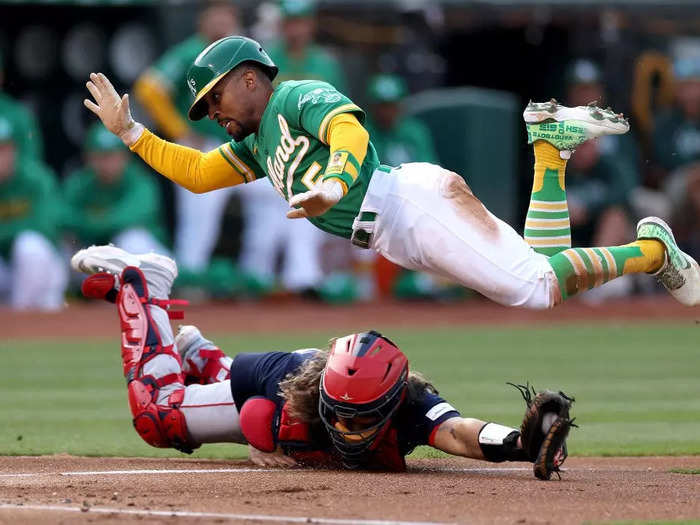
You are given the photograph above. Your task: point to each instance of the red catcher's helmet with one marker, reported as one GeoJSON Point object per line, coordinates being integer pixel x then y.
{"type": "Point", "coordinates": [363, 384]}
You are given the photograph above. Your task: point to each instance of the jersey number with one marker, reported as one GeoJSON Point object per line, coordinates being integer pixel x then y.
{"type": "Point", "coordinates": [311, 176]}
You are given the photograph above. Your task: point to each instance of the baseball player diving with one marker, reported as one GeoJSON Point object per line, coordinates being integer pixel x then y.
{"type": "Point", "coordinates": [308, 139]}
{"type": "Point", "coordinates": [355, 405]}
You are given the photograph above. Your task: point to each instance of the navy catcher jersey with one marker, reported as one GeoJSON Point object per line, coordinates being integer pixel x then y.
{"type": "Point", "coordinates": [418, 418]}
{"type": "Point", "coordinates": [259, 374]}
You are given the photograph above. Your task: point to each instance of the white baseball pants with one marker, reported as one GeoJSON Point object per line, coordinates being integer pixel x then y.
{"type": "Point", "coordinates": [427, 219]}
{"type": "Point", "coordinates": [34, 276]}
{"type": "Point", "coordinates": [209, 410]}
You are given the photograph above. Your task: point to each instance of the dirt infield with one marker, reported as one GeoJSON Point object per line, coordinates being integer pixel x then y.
{"type": "Point", "coordinates": [64, 489]}
{"type": "Point", "coordinates": [41, 489]}
{"type": "Point", "coordinates": [99, 319]}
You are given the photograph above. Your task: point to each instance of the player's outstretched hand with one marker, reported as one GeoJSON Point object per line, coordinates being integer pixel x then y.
{"type": "Point", "coordinates": [317, 201]}
{"type": "Point", "coordinates": [270, 459]}
{"type": "Point", "coordinates": [112, 109]}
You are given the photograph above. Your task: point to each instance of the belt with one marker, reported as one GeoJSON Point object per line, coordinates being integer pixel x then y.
{"type": "Point", "coordinates": [363, 225]}
{"type": "Point", "coordinates": [363, 229]}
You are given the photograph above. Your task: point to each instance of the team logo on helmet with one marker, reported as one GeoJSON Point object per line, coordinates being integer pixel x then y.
{"type": "Point", "coordinates": [192, 85]}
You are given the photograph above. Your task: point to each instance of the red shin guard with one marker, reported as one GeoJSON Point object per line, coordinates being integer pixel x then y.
{"type": "Point", "coordinates": [158, 425]}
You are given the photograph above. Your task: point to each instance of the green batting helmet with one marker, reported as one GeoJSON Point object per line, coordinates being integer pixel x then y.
{"type": "Point", "coordinates": [219, 58]}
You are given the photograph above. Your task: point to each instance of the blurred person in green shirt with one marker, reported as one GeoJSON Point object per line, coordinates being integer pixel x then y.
{"type": "Point", "coordinates": [26, 131]}
{"type": "Point", "coordinates": [266, 231]}
{"type": "Point", "coordinates": [32, 273]}
{"type": "Point", "coordinates": [676, 140]}
{"type": "Point", "coordinates": [296, 55]}
{"type": "Point", "coordinates": [163, 92]}
{"type": "Point", "coordinates": [113, 199]}
{"type": "Point", "coordinates": [397, 138]}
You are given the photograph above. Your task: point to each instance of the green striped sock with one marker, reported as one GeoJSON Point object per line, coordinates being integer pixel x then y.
{"type": "Point", "coordinates": [547, 227]}
{"type": "Point", "coordinates": [580, 269]}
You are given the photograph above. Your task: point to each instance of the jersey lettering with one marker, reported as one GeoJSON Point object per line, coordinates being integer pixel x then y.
{"type": "Point", "coordinates": [283, 152]}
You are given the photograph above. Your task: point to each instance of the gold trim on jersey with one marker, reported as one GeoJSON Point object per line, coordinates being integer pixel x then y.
{"type": "Point", "coordinates": [323, 128]}
{"type": "Point", "coordinates": [237, 163]}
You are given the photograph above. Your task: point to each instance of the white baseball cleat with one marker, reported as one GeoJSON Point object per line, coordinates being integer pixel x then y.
{"type": "Point", "coordinates": [160, 271]}
{"type": "Point", "coordinates": [186, 337]}
{"type": "Point", "coordinates": [566, 128]}
{"type": "Point", "coordinates": [679, 274]}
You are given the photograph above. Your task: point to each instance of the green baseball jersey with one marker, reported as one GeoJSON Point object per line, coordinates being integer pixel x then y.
{"type": "Point", "coordinates": [291, 148]}
{"type": "Point", "coordinates": [316, 64]}
{"type": "Point", "coordinates": [407, 141]}
{"type": "Point", "coordinates": [97, 211]}
{"type": "Point", "coordinates": [26, 130]}
{"type": "Point", "coordinates": [607, 183]}
{"type": "Point", "coordinates": [29, 201]}
{"type": "Point", "coordinates": [171, 69]}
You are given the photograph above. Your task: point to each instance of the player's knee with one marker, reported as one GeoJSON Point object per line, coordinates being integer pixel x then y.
{"type": "Point", "coordinates": [162, 426]}
{"type": "Point", "coordinates": [544, 295]}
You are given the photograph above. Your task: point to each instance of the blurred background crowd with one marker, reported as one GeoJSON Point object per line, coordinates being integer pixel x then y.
{"type": "Point", "coordinates": [441, 81]}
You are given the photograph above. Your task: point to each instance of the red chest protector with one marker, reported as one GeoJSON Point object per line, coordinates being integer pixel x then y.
{"type": "Point", "coordinates": [386, 455]}
{"type": "Point", "coordinates": [264, 429]}
{"type": "Point", "coordinates": [296, 440]}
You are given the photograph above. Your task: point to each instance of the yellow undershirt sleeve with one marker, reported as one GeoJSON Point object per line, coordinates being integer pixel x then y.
{"type": "Point", "coordinates": [348, 141]}
{"type": "Point", "coordinates": [156, 99]}
{"type": "Point", "coordinates": [196, 171]}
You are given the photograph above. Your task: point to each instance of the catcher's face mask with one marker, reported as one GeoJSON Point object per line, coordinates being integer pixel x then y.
{"type": "Point", "coordinates": [362, 386]}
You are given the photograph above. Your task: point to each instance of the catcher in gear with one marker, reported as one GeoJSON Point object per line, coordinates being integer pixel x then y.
{"type": "Point", "coordinates": [355, 405]}
{"type": "Point", "coordinates": [308, 139]}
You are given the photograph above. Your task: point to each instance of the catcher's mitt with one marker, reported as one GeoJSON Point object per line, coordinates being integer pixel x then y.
{"type": "Point", "coordinates": [544, 429]}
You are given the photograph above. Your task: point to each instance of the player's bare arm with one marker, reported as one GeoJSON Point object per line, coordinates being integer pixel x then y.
{"type": "Point", "coordinates": [460, 436]}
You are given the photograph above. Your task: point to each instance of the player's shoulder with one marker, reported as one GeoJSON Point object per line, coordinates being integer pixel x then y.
{"type": "Point", "coordinates": [322, 55]}
{"type": "Point", "coordinates": [37, 173]}
{"type": "Point", "coordinates": [79, 178]}
{"type": "Point", "coordinates": [180, 57]}
{"type": "Point", "coordinates": [136, 173]}
{"type": "Point", "coordinates": [14, 109]}
{"type": "Point", "coordinates": [413, 126]}
{"type": "Point", "coordinates": [306, 86]}
{"type": "Point", "coordinates": [303, 92]}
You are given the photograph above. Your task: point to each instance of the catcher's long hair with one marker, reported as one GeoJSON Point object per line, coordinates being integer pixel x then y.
{"type": "Point", "coordinates": [301, 389]}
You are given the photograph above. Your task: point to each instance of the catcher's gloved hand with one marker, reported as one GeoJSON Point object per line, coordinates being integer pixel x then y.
{"type": "Point", "coordinates": [544, 429]}
{"type": "Point", "coordinates": [112, 110]}
{"type": "Point", "coordinates": [317, 201]}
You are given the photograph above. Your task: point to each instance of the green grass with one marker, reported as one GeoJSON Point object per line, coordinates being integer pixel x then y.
{"type": "Point", "coordinates": [637, 386]}
{"type": "Point", "coordinates": [685, 470]}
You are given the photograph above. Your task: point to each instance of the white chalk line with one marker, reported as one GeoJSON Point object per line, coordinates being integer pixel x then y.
{"type": "Point", "coordinates": [142, 471]}
{"type": "Point", "coordinates": [236, 470]}
{"type": "Point", "coordinates": [218, 515]}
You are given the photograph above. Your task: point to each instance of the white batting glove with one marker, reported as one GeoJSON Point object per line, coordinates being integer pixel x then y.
{"type": "Point", "coordinates": [112, 110]}
{"type": "Point", "coordinates": [317, 201]}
